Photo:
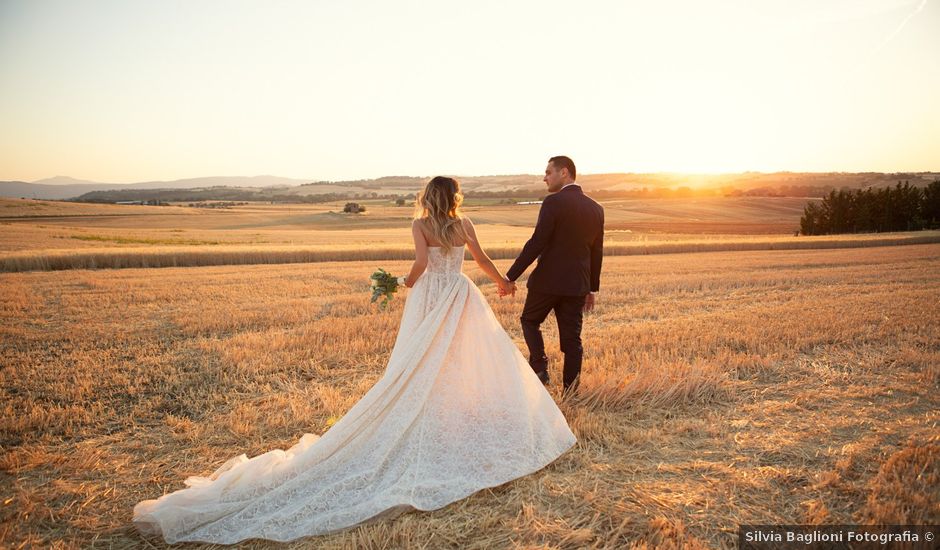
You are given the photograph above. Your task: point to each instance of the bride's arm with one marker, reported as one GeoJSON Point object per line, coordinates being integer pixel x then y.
{"type": "Point", "coordinates": [481, 258]}
{"type": "Point", "coordinates": [421, 255]}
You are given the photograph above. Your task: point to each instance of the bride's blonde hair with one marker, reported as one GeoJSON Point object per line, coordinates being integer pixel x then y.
{"type": "Point", "coordinates": [439, 205]}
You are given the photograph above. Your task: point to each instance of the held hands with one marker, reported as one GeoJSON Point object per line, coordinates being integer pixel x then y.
{"type": "Point", "coordinates": [506, 287]}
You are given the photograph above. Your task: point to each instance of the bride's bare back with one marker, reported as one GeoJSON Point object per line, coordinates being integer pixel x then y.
{"type": "Point", "coordinates": [423, 239]}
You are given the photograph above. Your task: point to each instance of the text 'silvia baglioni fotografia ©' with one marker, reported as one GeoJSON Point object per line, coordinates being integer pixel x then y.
{"type": "Point", "coordinates": [909, 537]}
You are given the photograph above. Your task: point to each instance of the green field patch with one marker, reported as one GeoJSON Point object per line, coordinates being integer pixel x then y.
{"type": "Point", "coordinates": [26, 205]}
{"type": "Point", "coordinates": [134, 240]}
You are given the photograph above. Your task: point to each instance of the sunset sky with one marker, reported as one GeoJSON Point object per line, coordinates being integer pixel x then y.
{"type": "Point", "coordinates": [129, 90]}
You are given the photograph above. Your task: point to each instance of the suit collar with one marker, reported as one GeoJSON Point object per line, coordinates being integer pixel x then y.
{"type": "Point", "coordinates": [573, 186]}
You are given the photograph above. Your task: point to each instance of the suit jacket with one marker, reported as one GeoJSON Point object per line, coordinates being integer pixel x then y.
{"type": "Point", "coordinates": [568, 241]}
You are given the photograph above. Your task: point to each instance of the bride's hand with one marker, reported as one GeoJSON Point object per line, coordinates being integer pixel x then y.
{"type": "Point", "coordinates": [506, 287]}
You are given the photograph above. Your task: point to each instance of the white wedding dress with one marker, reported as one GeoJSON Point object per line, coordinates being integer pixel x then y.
{"type": "Point", "coordinates": [457, 410]}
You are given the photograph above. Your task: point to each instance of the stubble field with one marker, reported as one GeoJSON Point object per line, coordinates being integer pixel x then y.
{"type": "Point", "coordinates": [720, 388]}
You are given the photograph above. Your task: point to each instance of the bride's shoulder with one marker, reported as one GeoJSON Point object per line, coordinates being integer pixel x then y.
{"type": "Point", "coordinates": [419, 226]}
{"type": "Point", "coordinates": [469, 232]}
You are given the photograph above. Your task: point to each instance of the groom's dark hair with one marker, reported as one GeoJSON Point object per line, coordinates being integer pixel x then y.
{"type": "Point", "coordinates": [565, 162]}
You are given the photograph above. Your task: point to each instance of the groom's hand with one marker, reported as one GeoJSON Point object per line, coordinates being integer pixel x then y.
{"type": "Point", "coordinates": [506, 288]}
{"type": "Point", "coordinates": [589, 302]}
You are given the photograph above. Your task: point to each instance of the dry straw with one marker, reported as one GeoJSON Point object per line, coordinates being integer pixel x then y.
{"type": "Point", "coordinates": [719, 389]}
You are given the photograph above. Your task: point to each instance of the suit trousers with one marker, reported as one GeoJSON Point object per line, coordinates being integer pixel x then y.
{"type": "Point", "coordinates": [569, 314]}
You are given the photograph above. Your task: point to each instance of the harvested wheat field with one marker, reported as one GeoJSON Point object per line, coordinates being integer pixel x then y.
{"type": "Point", "coordinates": [720, 388]}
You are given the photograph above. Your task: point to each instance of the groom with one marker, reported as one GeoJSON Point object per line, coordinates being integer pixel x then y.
{"type": "Point", "coordinates": [569, 242]}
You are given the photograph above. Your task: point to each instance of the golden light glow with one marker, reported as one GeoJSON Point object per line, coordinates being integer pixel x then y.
{"type": "Point", "coordinates": [123, 92]}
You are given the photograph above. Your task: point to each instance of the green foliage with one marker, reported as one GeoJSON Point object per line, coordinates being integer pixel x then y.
{"type": "Point", "coordinates": [135, 240]}
{"type": "Point", "coordinates": [219, 193]}
{"type": "Point", "coordinates": [899, 208]}
{"type": "Point", "coordinates": [930, 206]}
{"type": "Point", "coordinates": [384, 285]}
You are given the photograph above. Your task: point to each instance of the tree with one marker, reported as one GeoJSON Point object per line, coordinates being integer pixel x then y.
{"type": "Point", "coordinates": [812, 223]}
{"type": "Point", "coordinates": [930, 206]}
{"type": "Point", "coordinates": [354, 208]}
{"type": "Point", "coordinates": [836, 211]}
{"type": "Point", "coordinates": [903, 207]}
{"type": "Point", "coordinates": [863, 211]}
{"type": "Point", "coordinates": [399, 202]}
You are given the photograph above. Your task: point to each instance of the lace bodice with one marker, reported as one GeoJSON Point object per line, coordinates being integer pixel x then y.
{"type": "Point", "coordinates": [445, 263]}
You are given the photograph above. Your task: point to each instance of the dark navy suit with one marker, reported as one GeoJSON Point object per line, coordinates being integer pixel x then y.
{"type": "Point", "coordinates": [569, 243]}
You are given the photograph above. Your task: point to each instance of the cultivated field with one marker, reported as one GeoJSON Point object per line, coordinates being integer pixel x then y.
{"type": "Point", "coordinates": [29, 225]}
{"type": "Point", "coordinates": [785, 386]}
{"type": "Point", "coordinates": [51, 235]}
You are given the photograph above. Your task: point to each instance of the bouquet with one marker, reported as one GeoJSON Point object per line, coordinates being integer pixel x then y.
{"type": "Point", "coordinates": [384, 285]}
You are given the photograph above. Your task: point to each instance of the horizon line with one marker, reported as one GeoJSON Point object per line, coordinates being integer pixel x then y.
{"type": "Point", "coordinates": [310, 180]}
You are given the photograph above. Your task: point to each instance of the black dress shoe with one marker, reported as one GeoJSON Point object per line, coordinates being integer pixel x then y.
{"type": "Point", "coordinates": [543, 376]}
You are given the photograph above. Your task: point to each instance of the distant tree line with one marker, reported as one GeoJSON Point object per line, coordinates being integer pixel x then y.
{"type": "Point", "coordinates": [221, 193]}
{"type": "Point", "coordinates": [530, 194]}
{"type": "Point", "coordinates": [682, 192]}
{"type": "Point", "coordinates": [780, 191]}
{"type": "Point", "coordinates": [899, 208]}
{"type": "Point", "coordinates": [221, 204]}
{"type": "Point", "coordinates": [508, 196]}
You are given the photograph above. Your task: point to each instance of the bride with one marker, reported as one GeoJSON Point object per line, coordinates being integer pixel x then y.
{"type": "Point", "coordinates": [458, 410]}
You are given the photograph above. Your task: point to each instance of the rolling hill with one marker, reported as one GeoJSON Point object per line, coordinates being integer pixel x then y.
{"type": "Point", "coordinates": [266, 187]}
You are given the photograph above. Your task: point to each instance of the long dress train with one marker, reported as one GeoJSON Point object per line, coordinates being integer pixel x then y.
{"type": "Point", "coordinates": [457, 410]}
